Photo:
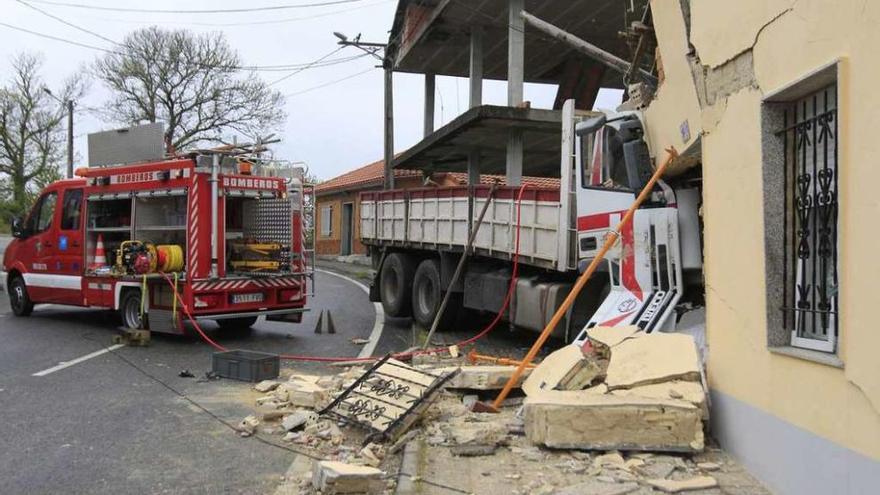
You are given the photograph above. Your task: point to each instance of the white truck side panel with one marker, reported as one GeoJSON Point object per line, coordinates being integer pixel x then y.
{"type": "Point", "coordinates": [391, 220]}
{"type": "Point", "coordinates": [539, 229]}
{"type": "Point", "coordinates": [438, 220]}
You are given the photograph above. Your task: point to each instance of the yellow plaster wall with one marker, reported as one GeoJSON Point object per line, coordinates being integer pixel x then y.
{"type": "Point", "coordinates": [676, 99]}
{"type": "Point", "coordinates": [841, 405]}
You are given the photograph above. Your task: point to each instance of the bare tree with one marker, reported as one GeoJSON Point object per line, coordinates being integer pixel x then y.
{"type": "Point", "coordinates": [32, 138]}
{"type": "Point", "coordinates": [191, 82]}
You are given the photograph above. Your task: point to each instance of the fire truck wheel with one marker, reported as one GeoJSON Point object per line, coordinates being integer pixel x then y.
{"type": "Point", "coordinates": [395, 284]}
{"type": "Point", "coordinates": [18, 297]}
{"type": "Point", "coordinates": [130, 310]}
{"type": "Point", "coordinates": [237, 325]}
{"type": "Point", "coordinates": [427, 297]}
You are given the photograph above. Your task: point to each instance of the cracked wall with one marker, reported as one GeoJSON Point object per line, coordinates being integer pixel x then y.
{"type": "Point", "coordinates": [734, 54]}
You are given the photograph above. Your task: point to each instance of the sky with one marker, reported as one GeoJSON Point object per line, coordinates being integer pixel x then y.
{"type": "Point", "coordinates": [334, 119]}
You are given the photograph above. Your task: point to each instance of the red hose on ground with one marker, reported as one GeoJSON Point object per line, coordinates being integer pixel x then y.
{"type": "Point", "coordinates": [321, 359]}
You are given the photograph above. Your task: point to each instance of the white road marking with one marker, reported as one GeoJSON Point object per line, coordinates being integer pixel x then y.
{"type": "Point", "coordinates": [378, 323]}
{"type": "Point", "coordinates": [67, 364]}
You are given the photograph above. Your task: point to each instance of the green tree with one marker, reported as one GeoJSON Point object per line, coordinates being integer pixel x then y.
{"type": "Point", "coordinates": [32, 133]}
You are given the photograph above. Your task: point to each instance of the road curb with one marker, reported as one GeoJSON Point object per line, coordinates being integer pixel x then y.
{"type": "Point", "coordinates": [379, 322]}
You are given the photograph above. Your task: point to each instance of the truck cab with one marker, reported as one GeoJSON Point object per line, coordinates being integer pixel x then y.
{"type": "Point", "coordinates": [43, 263]}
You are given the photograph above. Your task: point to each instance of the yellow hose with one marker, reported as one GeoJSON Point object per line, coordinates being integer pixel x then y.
{"type": "Point", "coordinates": [173, 255]}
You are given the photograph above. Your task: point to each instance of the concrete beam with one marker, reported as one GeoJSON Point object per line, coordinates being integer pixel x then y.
{"type": "Point", "coordinates": [430, 81]}
{"type": "Point", "coordinates": [514, 157]}
{"type": "Point", "coordinates": [476, 68]}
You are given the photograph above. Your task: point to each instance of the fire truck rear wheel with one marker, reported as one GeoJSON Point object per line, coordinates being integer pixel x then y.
{"type": "Point", "coordinates": [237, 325]}
{"type": "Point", "coordinates": [130, 310]}
{"type": "Point", "coordinates": [395, 284]}
{"type": "Point", "coordinates": [427, 296]}
{"type": "Point", "coordinates": [18, 297]}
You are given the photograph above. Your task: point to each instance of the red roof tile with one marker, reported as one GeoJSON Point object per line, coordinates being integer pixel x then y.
{"type": "Point", "coordinates": [360, 178]}
{"type": "Point", "coordinates": [373, 174]}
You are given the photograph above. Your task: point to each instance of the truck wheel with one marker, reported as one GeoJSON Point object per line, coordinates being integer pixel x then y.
{"type": "Point", "coordinates": [395, 284]}
{"type": "Point", "coordinates": [427, 296]}
{"type": "Point", "coordinates": [130, 310]}
{"type": "Point", "coordinates": [237, 325]}
{"type": "Point", "coordinates": [18, 298]}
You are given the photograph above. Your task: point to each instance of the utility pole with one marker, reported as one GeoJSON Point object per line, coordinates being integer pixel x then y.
{"type": "Point", "coordinates": [69, 139]}
{"type": "Point", "coordinates": [388, 117]}
{"type": "Point", "coordinates": [69, 105]}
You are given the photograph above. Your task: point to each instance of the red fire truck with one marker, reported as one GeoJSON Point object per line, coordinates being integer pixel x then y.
{"type": "Point", "coordinates": [210, 226]}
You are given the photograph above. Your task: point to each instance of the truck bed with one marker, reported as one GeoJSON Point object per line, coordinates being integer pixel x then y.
{"type": "Point", "coordinates": [440, 218]}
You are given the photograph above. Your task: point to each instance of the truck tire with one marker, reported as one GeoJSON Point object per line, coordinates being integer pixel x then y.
{"type": "Point", "coordinates": [395, 284]}
{"type": "Point", "coordinates": [427, 295]}
{"type": "Point", "coordinates": [130, 310]}
{"type": "Point", "coordinates": [237, 325]}
{"type": "Point", "coordinates": [18, 297]}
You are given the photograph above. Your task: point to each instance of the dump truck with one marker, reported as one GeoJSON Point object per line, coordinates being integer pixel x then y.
{"type": "Point", "coordinates": [212, 235]}
{"type": "Point", "coordinates": [417, 236]}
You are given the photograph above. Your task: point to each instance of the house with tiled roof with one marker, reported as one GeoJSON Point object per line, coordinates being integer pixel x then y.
{"type": "Point", "coordinates": [338, 201]}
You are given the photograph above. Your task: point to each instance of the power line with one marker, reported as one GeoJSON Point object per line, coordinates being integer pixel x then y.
{"type": "Point", "coordinates": [329, 83]}
{"type": "Point", "coordinates": [247, 23]}
{"type": "Point", "coordinates": [288, 76]}
{"type": "Point", "coordinates": [202, 11]}
{"type": "Point", "coordinates": [26, 4]}
{"type": "Point", "coordinates": [299, 67]}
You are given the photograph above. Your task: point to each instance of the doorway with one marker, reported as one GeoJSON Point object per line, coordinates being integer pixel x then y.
{"type": "Point", "coordinates": [347, 230]}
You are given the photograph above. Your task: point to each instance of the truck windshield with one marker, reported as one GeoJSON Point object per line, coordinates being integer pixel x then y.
{"type": "Point", "coordinates": [603, 163]}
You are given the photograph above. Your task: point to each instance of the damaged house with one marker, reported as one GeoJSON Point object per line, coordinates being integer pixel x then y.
{"type": "Point", "coordinates": [770, 105]}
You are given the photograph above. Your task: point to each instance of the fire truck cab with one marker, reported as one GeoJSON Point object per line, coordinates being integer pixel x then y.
{"type": "Point", "coordinates": [215, 235]}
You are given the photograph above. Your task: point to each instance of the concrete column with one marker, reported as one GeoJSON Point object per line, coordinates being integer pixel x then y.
{"type": "Point", "coordinates": [429, 103]}
{"type": "Point", "coordinates": [514, 157]}
{"type": "Point", "coordinates": [473, 169]}
{"type": "Point", "coordinates": [476, 69]}
{"type": "Point", "coordinates": [515, 53]}
{"type": "Point", "coordinates": [389, 125]}
{"type": "Point", "coordinates": [515, 77]}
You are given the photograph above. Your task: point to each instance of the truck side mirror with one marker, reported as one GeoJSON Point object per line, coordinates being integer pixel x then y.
{"type": "Point", "coordinates": [18, 229]}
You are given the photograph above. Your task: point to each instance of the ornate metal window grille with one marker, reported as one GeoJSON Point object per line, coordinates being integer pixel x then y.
{"type": "Point", "coordinates": [810, 292]}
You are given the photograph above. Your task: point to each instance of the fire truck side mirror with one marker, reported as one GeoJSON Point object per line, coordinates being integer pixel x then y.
{"type": "Point", "coordinates": [19, 230]}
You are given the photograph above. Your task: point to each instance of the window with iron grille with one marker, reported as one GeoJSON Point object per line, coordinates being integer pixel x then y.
{"type": "Point", "coordinates": [809, 137]}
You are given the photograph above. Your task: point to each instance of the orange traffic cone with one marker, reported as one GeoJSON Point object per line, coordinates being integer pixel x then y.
{"type": "Point", "coordinates": [100, 256]}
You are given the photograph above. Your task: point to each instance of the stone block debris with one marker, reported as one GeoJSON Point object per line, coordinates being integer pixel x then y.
{"type": "Point", "coordinates": [653, 358]}
{"type": "Point", "coordinates": [564, 369]}
{"type": "Point", "coordinates": [331, 477]}
{"type": "Point", "coordinates": [489, 377]}
{"type": "Point", "coordinates": [574, 420]}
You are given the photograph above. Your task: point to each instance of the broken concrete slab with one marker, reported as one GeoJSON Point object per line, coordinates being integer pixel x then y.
{"type": "Point", "coordinates": [302, 394]}
{"type": "Point", "coordinates": [653, 358]}
{"type": "Point", "coordinates": [331, 477]}
{"type": "Point", "coordinates": [461, 431]}
{"type": "Point", "coordinates": [598, 487]}
{"type": "Point", "coordinates": [300, 417]}
{"type": "Point", "coordinates": [677, 389]}
{"type": "Point", "coordinates": [248, 425]}
{"type": "Point", "coordinates": [676, 486]}
{"type": "Point", "coordinates": [266, 386]}
{"type": "Point", "coordinates": [489, 377]}
{"type": "Point", "coordinates": [473, 450]}
{"type": "Point", "coordinates": [575, 420]}
{"type": "Point", "coordinates": [611, 336]}
{"type": "Point", "coordinates": [566, 369]}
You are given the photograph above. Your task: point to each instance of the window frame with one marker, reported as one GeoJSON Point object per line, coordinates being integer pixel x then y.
{"type": "Point", "coordinates": [70, 194]}
{"type": "Point", "coordinates": [36, 214]}
{"type": "Point", "coordinates": [780, 192]}
{"type": "Point", "coordinates": [326, 216]}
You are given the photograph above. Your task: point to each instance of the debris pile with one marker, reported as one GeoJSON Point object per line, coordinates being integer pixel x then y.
{"type": "Point", "coordinates": [623, 389]}
{"type": "Point", "coordinates": [622, 414]}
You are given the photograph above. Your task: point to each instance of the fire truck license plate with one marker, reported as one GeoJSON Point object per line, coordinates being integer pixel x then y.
{"type": "Point", "coordinates": [247, 298]}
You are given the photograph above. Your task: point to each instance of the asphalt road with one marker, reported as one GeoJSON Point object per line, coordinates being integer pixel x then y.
{"type": "Point", "coordinates": [103, 426]}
